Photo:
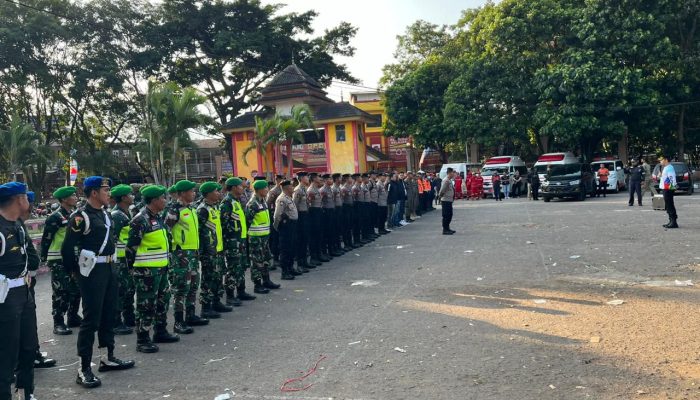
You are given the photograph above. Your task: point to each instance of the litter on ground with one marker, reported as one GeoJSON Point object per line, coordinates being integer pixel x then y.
{"type": "Point", "coordinates": [616, 302]}
{"type": "Point", "coordinates": [399, 349]}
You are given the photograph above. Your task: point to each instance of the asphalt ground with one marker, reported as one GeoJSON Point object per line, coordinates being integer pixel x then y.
{"type": "Point", "coordinates": [513, 306]}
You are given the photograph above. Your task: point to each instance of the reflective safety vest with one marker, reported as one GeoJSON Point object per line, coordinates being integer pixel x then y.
{"type": "Point", "coordinates": [56, 243]}
{"type": "Point", "coordinates": [238, 215]}
{"type": "Point", "coordinates": [214, 223]}
{"type": "Point", "coordinates": [153, 250]}
{"type": "Point", "coordinates": [121, 241]}
{"type": "Point", "coordinates": [186, 230]}
{"type": "Point", "coordinates": [261, 224]}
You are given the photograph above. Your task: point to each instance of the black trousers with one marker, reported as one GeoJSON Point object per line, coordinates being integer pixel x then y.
{"type": "Point", "coordinates": [381, 217]}
{"type": "Point", "coordinates": [274, 238]}
{"type": "Point", "coordinates": [315, 231]}
{"type": "Point", "coordinates": [535, 192]}
{"type": "Point", "coordinates": [286, 234]}
{"type": "Point", "coordinates": [357, 221]}
{"type": "Point", "coordinates": [99, 295]}
{"type": "Point", "coordinates": [302, 237]}
{"type": "Point", "coordinates": [18, 341]}
{"type": "Point", "coordinates": [446, 215]}
{"type": "Point", "coordinates": [602, 188]}
{"type": "Point", "coordinates": [670, 205]}
{"type": "Point", "coordinates": [327, 227]}
{"type": "Point", "coordinates": [347, 224]}
{"type": "Point", "coordinates": [338, 226]}
{"type": "Point", "coordinates": [635, 187]}
{"type": "Point", "coordinates": [372, 217]}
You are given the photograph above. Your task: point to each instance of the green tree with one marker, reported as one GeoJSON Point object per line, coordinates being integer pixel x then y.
{"type": "Point", "coordinates": [266, 132]}
{"type": "Point", "coordinates": [19, 147]}
{"type": "Point", "coordinates": [289, 127]}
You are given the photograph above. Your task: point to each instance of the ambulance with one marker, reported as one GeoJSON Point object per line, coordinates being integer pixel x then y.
{"type": "Point", "coordinates": [501, 165]}
{"type": "Point", "coordinates": [548, 159]}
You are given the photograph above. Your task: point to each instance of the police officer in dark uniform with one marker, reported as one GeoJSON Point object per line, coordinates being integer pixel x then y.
{"type": "Point", "coordinates": [636, 178]}
{"type": "Point", "coordinates": [18, 262]}
{"type": "Point", "coordinates": [90, 233]}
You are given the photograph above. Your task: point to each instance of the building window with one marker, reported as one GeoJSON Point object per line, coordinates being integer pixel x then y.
{"type": "Point", "coordinates": [125, 152]}
{"type": "Point", "coordinates": [378, 123]}
{"type": "Point", "coordinates": [340, 133]}
{"type": "Point", "coordinates": [115, 153]}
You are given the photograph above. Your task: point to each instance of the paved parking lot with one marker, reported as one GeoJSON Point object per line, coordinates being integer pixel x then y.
{"type": "Point", "coordinates": [514, 306]}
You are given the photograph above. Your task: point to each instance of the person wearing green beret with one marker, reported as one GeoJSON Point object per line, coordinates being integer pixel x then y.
{"type": "Point", "coordinates": [258, 219]}
{"type": "Point", "coordinates": [211, 250]}
{"type": "Point", "coordinates": [235, 233]}
{"type": "Point", "coordinates": [184, 271]}
{"type": "Point", "coordinates": [147, 254]}
{"type": "Point", "coordinates": [65, 298]}
{"type": "Point", "coordinates": [125, 319]}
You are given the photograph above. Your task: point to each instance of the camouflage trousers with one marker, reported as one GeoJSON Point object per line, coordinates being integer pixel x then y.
{"type": "Point", "coordinates": [184, 279]}
{"type": "Point", "coordinates": [236, 264]}
{"type": "Point", "coordinates": [126, 289]}
{"type": "Point", "coordinates": [152, 297]}
{"type": "Point", "coordinates": [212, 271]}
{"type": "Point", "coordinates": [66, 293]}
{"type": "Point", "coordinates": [260, 256]}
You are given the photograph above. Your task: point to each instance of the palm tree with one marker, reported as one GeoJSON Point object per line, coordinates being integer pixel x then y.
{"type": "Point", "coordinates": [301, 118]}
{"type": "Point", "coordinates": [266, 132]}
{"type": "Point", "coordinates": [19, 146]}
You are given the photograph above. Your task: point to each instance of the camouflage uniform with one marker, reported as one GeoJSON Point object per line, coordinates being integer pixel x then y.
{"type": "Point", "coordinates": [151, 284]}
{"type": "Point", "coordinates": [125, 303]}
{"type": "Point", "coordinates": [213, 262]}
{"type": "Point", "coordinates": [235, 246]}
{"type": "Point", "coordinates": [183, 272]}
{"type": "Point", "coordinates": [66, 293]}
{"type": "Point", "coordinates": [259, 247]}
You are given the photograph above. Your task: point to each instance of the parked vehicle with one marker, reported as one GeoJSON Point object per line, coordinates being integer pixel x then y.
{"type": "Point", "coordinates": [548, 159]}
{"type": "Point", "coordinates": [568, 181]}
{"type": "Point", "coordinates": [460, 168]}
{"type": "Point", "coordinates": [684, 177]}
{"type": "Point", "coordinates": [616, 179]}
{"type": "Point", "coordinates": [501, 165]}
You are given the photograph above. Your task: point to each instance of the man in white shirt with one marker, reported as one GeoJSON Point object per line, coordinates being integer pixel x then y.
{"type": "Point", "coordinates": [667, 184]}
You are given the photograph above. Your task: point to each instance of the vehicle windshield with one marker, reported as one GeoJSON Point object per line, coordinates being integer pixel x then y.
{"type": "Point", "coordinates": [680, 168]}
{"type": "Point", "coordinates": [610, 165]}
{"type": "Point", "coordinates": [491, 171]}
{"type": "Point", "coordinates": [541, 169]}
{"type": "Point", "coordinates": [559, 171]}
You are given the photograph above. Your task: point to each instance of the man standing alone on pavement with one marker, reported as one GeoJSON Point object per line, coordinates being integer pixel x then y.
{"type": "Point", "coordinates": [636, 178]}
{"type": "Point", "coordinates": [446, 196]}
{"type": "Point", "coordinates": [667, 184]}
{"type": "Point", "coordinates": [602, 180]}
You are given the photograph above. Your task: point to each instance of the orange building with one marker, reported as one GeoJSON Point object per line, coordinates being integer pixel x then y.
{"type": "Point", "coordinates": [337, 144]}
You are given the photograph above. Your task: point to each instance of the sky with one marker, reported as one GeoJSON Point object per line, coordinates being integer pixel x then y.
{"type": "Point", "coordinates": [378, 23]}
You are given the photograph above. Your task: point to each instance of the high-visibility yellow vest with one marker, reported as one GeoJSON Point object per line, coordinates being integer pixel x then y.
{"type": "Point", "coordinates": [214, 223]}
{"type": "Point", "coordinates": [153, 250]}
{"type": "Point", "coordinates": [56, 243]}
{"type": "Point", "coordinates": [186, 230]}
{"type": "Point", "coordinates": [261, 224]}
{"type": "Point", "coordinates": [121, 241]}
{"type": "Point", "coordinates": [239, 215]}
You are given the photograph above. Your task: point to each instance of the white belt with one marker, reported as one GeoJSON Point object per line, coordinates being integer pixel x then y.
{"type": "Point", "coordinates": [17, 282]}
{"type": "Point", "coordinates": [105, 259]}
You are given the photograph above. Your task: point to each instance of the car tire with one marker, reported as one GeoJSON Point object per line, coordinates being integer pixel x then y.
{"type": "Point", "coordinates": [546, 199]}
{"type": "Point", "coordinates": [582, 196]}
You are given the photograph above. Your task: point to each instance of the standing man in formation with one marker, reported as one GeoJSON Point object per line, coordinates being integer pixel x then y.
{"type": "Point", "coordinates": [358, 211]}
{"type": "Point", "coordinates": [382, 207]}
{"type": "Point", "coordinates": [301, 202]}
{"type": "Point", "coordinates": [258, 218]}
{"type": "Point", "coordinates": [667, 184]}
{"type": "Point", "coordinates": [286, 217]}
{"type": "Point", "coordinates": [272, 196]}
{"type": "Point", "coordinates": [147, 256]}
{"type": "Point", "coordinates": [235, 231]}
{"type": "Point", "coordinates": [65, 297]}
{"type": "Point", "coordinates": [347, 213]}
{"type": "Point", "coordinates": [18, 263]}
{"type": "Point", "coordinates": [313, 198]}
{"type": "Point", "coordinates": [447, 196]}
{"type": "Point", "coordinates": [124, 318]}
{"type": "Point", "coordinates": [636, 179]}
{"type": "Point", "coordinates": [338, 215]}
{"type": "Point", "coordinates": [90, 236]}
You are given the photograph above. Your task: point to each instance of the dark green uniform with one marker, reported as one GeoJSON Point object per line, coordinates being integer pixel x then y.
{"type": "Point", "coordinates": [260, 255]}
{"type": "Point", "coordinates": [184, 270]}
{"type": "Point", "coordinates": [211, 249]}
{"type": "Point", "coordinates": [125, 304]}
{"type": "Point", "coordinates": [235, 229]}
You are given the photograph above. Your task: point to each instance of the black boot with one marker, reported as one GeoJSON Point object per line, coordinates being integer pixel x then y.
{"type": "Point", "coordinates": [673, 224]}
{"type": "Point", "coordinates": [74, 319]}
{"type": "Point", "coordinates": [120, 328]}
{"type": "Point", "coordinates": [87, 379]}
{"type": "Point", "coordinates": [144, 343]}
{"type": "Point", "coordinates": [231, 299]}
{"type": "Point", "coordinates": [59, 327]}
{"type": "Point", "coordinates": [180, 324]}
{"type": "Point", "coordinates": [112, 363]}
{"type": "Point", "coordinates": [310, 265]}
{"type": "Point", "coordinates": [209, 313]}
{"type": "Point", "coordinates": [243, 295]}
{"type": "Point", "coordinates": [324, 258]}
{"type": "Point", "coordinates": [193, 319]}
{"type": "Point", "coordinates": [293, 271]}
{"type": "Point", "coordinates": [161, 335]}
{"type": "Point", "coordinates": [268, 283]}
{"type": "Point", "coordinates": [222, 308]}
{"type": "Point", "coordinates": [259, 288]}
{"type": "Point", "coordinates": [40, 361]}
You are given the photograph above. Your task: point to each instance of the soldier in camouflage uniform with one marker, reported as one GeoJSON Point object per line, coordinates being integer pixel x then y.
{"type": "Point", "coordinates": [258, 219]}
{"type": "Point", "coordinates": [272, 196]}
{"type": "Point", "coordinates": [211, 249]}
{"type": "Point", "coordinates": [65, 292]}
{"type": "Point", "coordinates": [235, 231]}
{"type": "Point", "coordinates": [184, 271]}
{"type": "Point", "coordinates": [121, 194]}
{"type": "Point", "coordinates": [147, 254]}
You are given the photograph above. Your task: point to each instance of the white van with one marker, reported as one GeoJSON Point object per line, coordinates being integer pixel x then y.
{"type": "Point", "coordinates": [460, 168]}
{"type": "Point", "coordinates": [553, 159]}
{"type": "Point", "coordinates": [501, 165]}
{"type": "Point", "coordinates": [616, 179]}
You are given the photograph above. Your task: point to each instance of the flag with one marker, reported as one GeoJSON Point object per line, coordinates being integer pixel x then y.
{"type": "Point", "coordinates": [73, 172]}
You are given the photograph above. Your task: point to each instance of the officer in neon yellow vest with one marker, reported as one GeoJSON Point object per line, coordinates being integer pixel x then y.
{"type": "Point", "coordinates": [184, 271]}
{"type": "Point", "coordinates": [147, 250]}
{"type": "Point", "coordinates": [258, 218]}
{"type": "Point", "coordinates": [121, 195]}
{"type": "Point", "coordinates": [211, 249]}
{"type": "Point", "coordinates": [66, 294]}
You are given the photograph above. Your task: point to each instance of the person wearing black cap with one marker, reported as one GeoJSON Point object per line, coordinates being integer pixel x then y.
{"type": "Point", "coordinates": [90, 233]}
{"type": "Point", "coordinates": [313, 196]}
{"type": "Point", "coordinates": [347, 221]}
{"type": "Point", "coordinates": [302, 239]}
{"type": "Point", "coordinates": [286, 217]}
{"type": "Point", "coordinates": [338, 215]}
{"type": "Point", "coordinates": [272, 196]}
{"type": "Point", "coordinates": [18, 262]}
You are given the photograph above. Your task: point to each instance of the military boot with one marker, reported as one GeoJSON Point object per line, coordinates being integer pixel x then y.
{"type": "Point", "coordinates": [311, 264]}
{"type": "Point", "coordinates": [59, 327]}
{"type": "Point", "coordinates": [180, 324]}
{"type": "Point", "coordinates": [231, 299]}
{"type": "Point", "coordinates": [259, 288]}
{"type": "Point", "coordinates": [287, 273]}
{"type": "Point", "coordinates": [41, 361]}
{"type": "Point", "coordinates": [121, 329]}
{"type": "Point", "coordinates": [193, 319]}
{"type": "Point", "coordinates": [161, 335]}
{"type": "Point", "coordinates": [220, 307]}
{"type": "Point", "coordinates": [242, 294]}
{"type": "Point", "coordinates": [268, 283]}
{"type": "Point", "coordinates": [144, 343]}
